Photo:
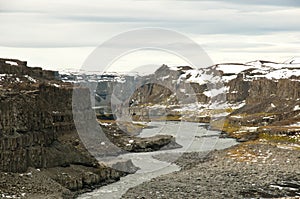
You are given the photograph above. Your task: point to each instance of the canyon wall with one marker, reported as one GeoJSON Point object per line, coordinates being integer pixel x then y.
{"type": "Point", "coordinates": [37, 129]}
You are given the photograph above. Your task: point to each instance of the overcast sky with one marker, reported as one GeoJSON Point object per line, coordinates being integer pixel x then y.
{"type": "Point", "coordinates": [61, 34]}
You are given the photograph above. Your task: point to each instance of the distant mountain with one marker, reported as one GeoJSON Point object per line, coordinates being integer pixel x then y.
{"type": "Point", "coordinates": [260, 94]}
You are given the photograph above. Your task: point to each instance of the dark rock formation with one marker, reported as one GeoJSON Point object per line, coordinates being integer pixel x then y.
{"type": "Point", "coordinates": [37, 130]}
{"type": "Point", "coordinates": [238, 90]}
{"type": "Point", "coordinates": [14, 66]}
{"type": "Point", "coordinates": [129, 143]}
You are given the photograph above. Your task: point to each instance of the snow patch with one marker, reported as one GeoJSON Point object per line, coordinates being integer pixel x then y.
{"type": "Point", "coordinates": [295, 124]}
{"type": "Point", "coordinates": [250, 129]}
{"type": "Point", "coordinates": [30, 78]}
{"type": "Point", "coordinates": [131, 141]}
{"type": "Point", "coordinates": [56, 85]}
{"type": "Point", "coordinates": [233, 68]}
{"type": "Point", "coordinates": [165, 77]}
{"type": "Point", "coordinates": [228, 78]}
{"type": "Point", "coordinates": [236, 116]}
{"type": "Point", "coordinates": [214, 92]}
{"type": "Point", "coordinates": [282, 74]}
{"type": "Point", "coordinates": [182, 90]}
{"type": "Point", "coordinates": [194, 77]}
{"type": "Point", "coordinates": [296, 108]}
{"type": "Point", "coordinates": [12, 63]}
{"type": "Point", "coordinates": [174, 68]}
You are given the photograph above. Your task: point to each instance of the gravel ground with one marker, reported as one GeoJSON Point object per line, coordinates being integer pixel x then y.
{"type": "Point", "coordinates": [32, 185]}
{"type": "Point", "coordinates": [249, 170]}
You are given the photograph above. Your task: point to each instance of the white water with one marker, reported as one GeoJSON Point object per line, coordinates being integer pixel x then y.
{"type": "Point", "coordinates": [189, 135]}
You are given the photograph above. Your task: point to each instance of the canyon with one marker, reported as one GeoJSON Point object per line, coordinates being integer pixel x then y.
{"type": "Point", "coordinates": [42, 148]}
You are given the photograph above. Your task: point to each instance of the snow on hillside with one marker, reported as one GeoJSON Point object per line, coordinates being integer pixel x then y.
{"type": "Point", "coordinates": [200, 76]}
{"type": "Point", "coordinates": [11, 63]}
{"type": "Point", "coordinates": [232, 68]}
{"type": "Point", "coordinates": [255, 69]}
{"type": "Point", "coordinates": [283, 74]}
{"type": "Point", "coordinates": [228, 71]}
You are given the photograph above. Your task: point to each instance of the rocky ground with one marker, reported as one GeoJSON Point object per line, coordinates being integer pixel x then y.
{"type": "Point", "coordinates": [31, 184]}
{"type": "Point", "coordinates": [249, 170]}
{"type": "Point", "coordinates": [69, 179]}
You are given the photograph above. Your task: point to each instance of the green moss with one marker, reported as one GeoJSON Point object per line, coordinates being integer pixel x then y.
{"type": "Point", "coordinates": [277, 138]}
{"type": "Point", "coordinates": [229, 110]}
{"type": "Point", "coordinates": [169, 118]}
{"type": "Point", "coordinates": [261, 114]}
{"type": "Point", "coordinates": [224, 125]}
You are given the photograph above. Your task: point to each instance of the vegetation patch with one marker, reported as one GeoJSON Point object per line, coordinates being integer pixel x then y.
{"type": "Point", "coordinates": [242, 153]}
{"type": "Point", "coordinates": [278, 138]}
{"type": "Point", "coordinates": [224, 125]}
{"type": "Point", "coordinates": [170, 117]}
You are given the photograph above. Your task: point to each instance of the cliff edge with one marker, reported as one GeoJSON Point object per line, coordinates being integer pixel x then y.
{"type": "Point", "coordinates": [41, 154]}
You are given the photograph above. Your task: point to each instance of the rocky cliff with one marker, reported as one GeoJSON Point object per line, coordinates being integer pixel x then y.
{"type": "Point", "coordinates": [253, 94]}
{"type": "Point", "coordinates": [38, 138]}
{"type": "Point", "coordinates": [260, 94]}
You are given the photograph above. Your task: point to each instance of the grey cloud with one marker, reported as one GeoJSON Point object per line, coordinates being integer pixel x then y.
{"type": "Point", "coordinates": [285, 3]}
{"type": "Point", "coordinates": [20, 11]}
{"type": "Point", "coordinates": [73, 30]}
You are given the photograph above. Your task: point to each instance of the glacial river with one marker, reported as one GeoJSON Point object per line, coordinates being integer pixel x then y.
{"type": "Point", "coordinates": [194, 137]}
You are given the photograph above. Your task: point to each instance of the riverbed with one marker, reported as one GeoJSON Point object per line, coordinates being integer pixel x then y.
{"type": "Point", "coordinates": [193, 137]}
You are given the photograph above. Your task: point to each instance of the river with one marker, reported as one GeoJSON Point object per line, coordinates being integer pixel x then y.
{"type": "Point", "coordinates": [194, 137]}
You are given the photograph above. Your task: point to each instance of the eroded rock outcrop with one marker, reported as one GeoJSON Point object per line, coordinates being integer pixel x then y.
{"type": "Point", "coordinates": [37, 131]}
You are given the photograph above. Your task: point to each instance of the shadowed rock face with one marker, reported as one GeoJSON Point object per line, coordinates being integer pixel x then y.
{"type": "Point", "coordinates": [33, 120]}
{"type": "Point", "coordinates": [37, 131]}
{"type": "Point", "coordinates": [248, 89]}
{"type": "Point", "coordinates": [263, 88]}
{"type": "Point", "coordinates": [240, 88]}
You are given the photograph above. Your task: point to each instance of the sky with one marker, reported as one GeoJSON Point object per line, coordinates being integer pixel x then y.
{"type": "Point", "coordinates": [60, 34]}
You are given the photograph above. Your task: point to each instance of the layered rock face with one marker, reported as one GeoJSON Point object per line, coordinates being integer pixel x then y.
{"type": "Point", "coordinates": [15, 66]}
{"type": "Point", "coordinates": [269, 102]}
{"type": "Point", "coordinates": [244, 84]}
{"type": "Point", "coordinates": [254, 87]}
{"type": "Point", "coordinates": [32, 119]}
{"type": "Point", "coordinates": [169, 86]}
{"type": "Point", "coordinates": [255, 94]}
{"type": "Point", "coordinates": [37, 128]}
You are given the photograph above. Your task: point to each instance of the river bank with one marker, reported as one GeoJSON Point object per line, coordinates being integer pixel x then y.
{"type": "Point", "coordinates": [193, 137]}
{"type": "Point", "coordinates": [250, 170]}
